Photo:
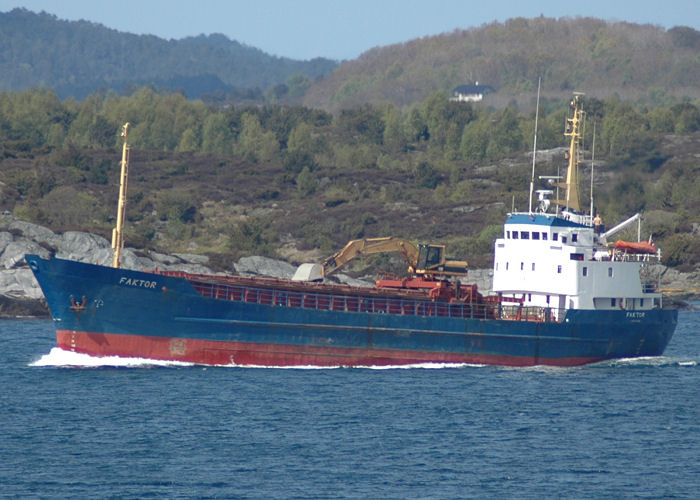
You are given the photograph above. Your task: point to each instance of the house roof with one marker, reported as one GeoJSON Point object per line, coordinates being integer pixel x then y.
{"type": "Point", "coordinates": [474, 89]}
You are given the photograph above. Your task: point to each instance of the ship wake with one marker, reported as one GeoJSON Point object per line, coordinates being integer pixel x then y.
{"type": "Point", "coordinates": [60, 358]}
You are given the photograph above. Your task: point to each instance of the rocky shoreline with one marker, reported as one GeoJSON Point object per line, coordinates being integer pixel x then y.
{"type": "Point", "coordinates": [20, 295]}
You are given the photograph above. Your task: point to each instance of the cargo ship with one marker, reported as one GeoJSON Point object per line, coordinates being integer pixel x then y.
{"type": "Point", "coordinates": [562, 295]}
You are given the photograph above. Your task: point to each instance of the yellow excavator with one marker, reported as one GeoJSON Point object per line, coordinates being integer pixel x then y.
{"type": "Point", "coordinates": [425, 260]}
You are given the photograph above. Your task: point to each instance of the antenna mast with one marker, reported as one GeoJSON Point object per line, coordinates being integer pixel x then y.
{"type": "Point", "coordinates": [534, 145]}
{"type": "Point", "coordinates": [117, 234]}
{"type": "Point", "coordinates": [573, 130]}
{"type": "Point", "coordinates": [592, 169]}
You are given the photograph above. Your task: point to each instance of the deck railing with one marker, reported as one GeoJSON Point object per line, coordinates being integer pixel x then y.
{"type": "Point", "coordinates": [370, 304]}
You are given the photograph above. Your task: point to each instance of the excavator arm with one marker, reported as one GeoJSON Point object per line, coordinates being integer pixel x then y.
{"type": "Point", "coordinates": [423, 260]}
{"type": "Point", "coordinates": [369, 246]}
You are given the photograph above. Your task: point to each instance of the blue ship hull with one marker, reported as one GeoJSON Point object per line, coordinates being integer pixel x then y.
{"type": "Point", "coordinates": [105, 311]}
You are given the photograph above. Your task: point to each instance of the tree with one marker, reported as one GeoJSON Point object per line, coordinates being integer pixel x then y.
{"type": "Point", "coordinates": [188, 141]}
{"type": "Point", "coordinates": [506, 136]}
{"type": "Point", "coordinates": [435, 114]}
{"type": "Point", "coordinates": [306, 183]}
{"type": "Point", "coordinates": [216, 135]}
{"type": "Point", "coordinates": [298, 84]}
{"type": "Point", "coordinates": [426, 176]}
{"type": "Point", "coordinates": [474, 141]}
{"type": "Point", "coordinates": [254, 143]}
{"type": "Point", "coordinates": [624, 131]}
{"type": "Point", "coordinates": [300, 140]}
{"type": "Point", "coordinates": [661, 120]}
{"type": "Point", "coordinates": [687, 118]}
{"type": "Point", "coordinates": [300, 149]}
{"type": "Point", "coordinates": [360, 125]}
{"type": "Point", "coordinates": [417, 129]}
{"type": "Point", "coordinates": [394, 138]}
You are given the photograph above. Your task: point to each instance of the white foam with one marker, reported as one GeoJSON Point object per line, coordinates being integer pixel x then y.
{"type": "Point", "coordinates": [425, 366]}
{"type": "Point", "coordinates": [652, 361]}
{"type": "Point", "coordinates": [62, 358]}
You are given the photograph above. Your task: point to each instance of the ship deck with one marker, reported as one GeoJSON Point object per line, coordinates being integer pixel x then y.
{"type": "Point", "coordinates": [285, 293]}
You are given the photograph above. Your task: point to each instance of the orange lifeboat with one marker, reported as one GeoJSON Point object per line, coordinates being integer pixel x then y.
{"type": "Point", "coordinates": [635, 247]}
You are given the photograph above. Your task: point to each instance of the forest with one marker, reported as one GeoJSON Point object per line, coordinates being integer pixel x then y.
{"type": "Point", "coordinates": [638, 63]}
{"type": "Point", "coordinates": [644, 64]}
{"type": "Point", "coordinates": [296, 182]}
{"type": "Point", "coordinates": [77, 58]}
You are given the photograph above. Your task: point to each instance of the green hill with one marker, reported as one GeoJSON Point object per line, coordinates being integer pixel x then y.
{"type": "Point", "coordinates": [379, 149]}
{"type": "Point", "coordinates": [76, 58]}
{"type": "Point", "coordinates": [298, 183]}
{"type": "Point", "coordinates": [636, 62]}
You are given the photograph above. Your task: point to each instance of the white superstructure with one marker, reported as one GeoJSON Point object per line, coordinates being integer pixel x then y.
{"type": "Point", "coordinates": [558, 261]}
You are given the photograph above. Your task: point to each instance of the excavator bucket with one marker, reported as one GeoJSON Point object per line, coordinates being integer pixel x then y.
{"type": "Point", "coordinates": [308, 272]}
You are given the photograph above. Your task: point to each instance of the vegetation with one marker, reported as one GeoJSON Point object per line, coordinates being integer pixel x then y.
{"type": "Point", "coordinates": [76, 58]}
{"type": "Point", "coordinates": [640, 63]}
{"type": "Point", "coordinates": [643, 64]}
{"type": "Point", "coordinates": [378, 148]}
{"type": "Point", "coordinates": [285, 181]}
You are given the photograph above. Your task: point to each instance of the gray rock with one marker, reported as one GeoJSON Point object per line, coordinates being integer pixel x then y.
{"type": "Point", "coordinates": [34, 232]}
{"type": "Point", "coordinates": [130, 260]}
{"type": "Point", "coordinates": [264, 266]}
{"type": "Point", "coordinates": [482, 278]}
{"type": "Point", "coordinates": [20, 283]}
{"type": "Point", "coordinates": [347, 280]}
{"type": "Point", "coordinates": [77, 245]}
{"type": "Point", "coordinates": [100, 256]}
{"type": "Point", "coordinates": [5, 239]}
{"type": "Point", "coordinates": [192, 258]}
{"type": "Point", "coordinates": [167, 260]}
{"type": "Point", "coordinates": [14, 252]}
{"type": "Point", "coordinates": [189, 268]}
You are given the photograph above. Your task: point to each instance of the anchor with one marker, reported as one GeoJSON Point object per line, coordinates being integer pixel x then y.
{"type": "Point", "coordinates": [77, 306]}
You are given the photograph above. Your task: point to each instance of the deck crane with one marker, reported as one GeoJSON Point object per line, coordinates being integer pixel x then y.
{"type": "Point", "coordinates": [117, 232]}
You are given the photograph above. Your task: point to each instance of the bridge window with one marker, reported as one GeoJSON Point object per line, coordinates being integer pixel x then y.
{"type": "Point", "coordinates": [508, 234]}
{"type": "Point", "coordinates": [544, 236]}
{"type": "Point", "coordinates": [524, 235]}
{"type": "Point", "coordinates": [555, 236]}
{"type": "Point", "coordinates": [563, 239]}
{"type": "Point", "coordinates": [535, 235]}
{"type": "Point", "coordinates": [515, 235]}
{"type": "Point", "coordinates": [574, 238]}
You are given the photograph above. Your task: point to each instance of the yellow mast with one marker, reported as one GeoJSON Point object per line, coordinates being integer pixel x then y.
{"type": "Point", "coordinates": [117, 234]}
{"type": "Point", "coordinates": [573, 130]}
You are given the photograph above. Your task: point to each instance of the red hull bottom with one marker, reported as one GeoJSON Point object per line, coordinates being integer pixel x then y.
{"type": "Point", "coordinates": [209, 352]}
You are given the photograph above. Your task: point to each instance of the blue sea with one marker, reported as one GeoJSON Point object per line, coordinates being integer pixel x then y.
{"type": "Point", "coordinates": [72, 426]}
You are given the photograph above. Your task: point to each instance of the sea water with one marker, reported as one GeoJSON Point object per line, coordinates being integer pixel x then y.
{"type": "Point", "coordinates": [72, 426]}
